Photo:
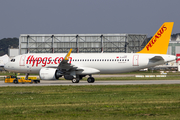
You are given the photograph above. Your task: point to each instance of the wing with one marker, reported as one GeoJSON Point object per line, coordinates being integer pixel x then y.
{"type": "Point", "coordinates": [64, 66]}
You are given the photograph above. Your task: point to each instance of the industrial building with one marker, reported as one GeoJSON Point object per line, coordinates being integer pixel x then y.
{"type": "Point", "coordinates": [174, 45]}
{"type": "Point", "coordinates": [90, 43]}
{"type": "Point", "coordinates": [81, 43]}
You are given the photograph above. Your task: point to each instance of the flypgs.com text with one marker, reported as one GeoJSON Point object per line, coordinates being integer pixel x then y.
{"type": "Point", "coordinates": [35, 61]}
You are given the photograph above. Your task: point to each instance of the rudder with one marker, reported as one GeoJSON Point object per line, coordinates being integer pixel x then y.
{"type": "Point", "coordinates": [160, 41]}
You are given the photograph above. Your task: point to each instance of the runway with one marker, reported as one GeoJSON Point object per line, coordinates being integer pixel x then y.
{"type": "Point", "coordinates": [69, 83]}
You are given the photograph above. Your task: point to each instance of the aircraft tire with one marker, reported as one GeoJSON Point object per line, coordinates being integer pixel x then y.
{"type": "Point", "coordinates": [75, 80]}
{"type": "Point", "coordinates": [90, 80]}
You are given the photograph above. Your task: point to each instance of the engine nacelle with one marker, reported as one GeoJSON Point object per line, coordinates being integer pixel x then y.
{"type": "Point", "coordinates": [49, 74]}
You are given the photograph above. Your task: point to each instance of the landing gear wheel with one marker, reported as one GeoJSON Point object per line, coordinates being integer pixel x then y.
{"type": "Point", "coordinates": [90, 80]}
{"type": "Point", "coordinates": [75, 80]}
{"type": "Point", "coordinates": [15, 81]}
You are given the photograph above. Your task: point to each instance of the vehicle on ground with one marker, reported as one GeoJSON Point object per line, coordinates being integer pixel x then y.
{"type": "Point", "coordinates": [14, 79]}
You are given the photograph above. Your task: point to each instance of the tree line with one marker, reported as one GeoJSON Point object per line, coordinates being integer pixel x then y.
{"type": "Point", "coordinates": [6, 43]}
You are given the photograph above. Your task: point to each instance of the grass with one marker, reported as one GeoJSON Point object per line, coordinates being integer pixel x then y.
{"type": "Point", "coordinates": [91, 102]}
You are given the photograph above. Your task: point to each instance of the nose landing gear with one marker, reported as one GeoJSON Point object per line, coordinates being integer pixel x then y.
{"type": "Point", "coordinates": [75, 80]}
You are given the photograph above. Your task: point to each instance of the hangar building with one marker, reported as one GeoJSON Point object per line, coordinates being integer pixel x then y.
{"type": "Point", "coordinates": [81, 43]}
{"type": "Point", "coordinates": [174, 45]}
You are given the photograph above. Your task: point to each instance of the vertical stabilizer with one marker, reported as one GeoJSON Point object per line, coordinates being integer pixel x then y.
{"type": "Point", "coordinates": [160, 41]}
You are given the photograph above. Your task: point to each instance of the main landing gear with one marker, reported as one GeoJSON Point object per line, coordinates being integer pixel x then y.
{"type": "Point", "coordinates": [89, 80]}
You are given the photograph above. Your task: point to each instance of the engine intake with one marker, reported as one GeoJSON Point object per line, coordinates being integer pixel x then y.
{"type": "Point", "coordinates": [49, 74]}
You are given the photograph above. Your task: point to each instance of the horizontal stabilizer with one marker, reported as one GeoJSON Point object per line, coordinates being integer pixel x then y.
{"type": "Point", "coordinates": [156, 59]}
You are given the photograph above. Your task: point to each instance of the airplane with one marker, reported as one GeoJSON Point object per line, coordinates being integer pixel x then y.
{"type": "Point", "coordinates": [75, 66]}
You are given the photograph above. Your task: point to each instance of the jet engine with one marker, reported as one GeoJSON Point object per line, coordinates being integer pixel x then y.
{"type": "Point", "coordinates": [49, 74]}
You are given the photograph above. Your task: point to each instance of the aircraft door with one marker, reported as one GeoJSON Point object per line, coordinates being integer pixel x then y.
{"type": "Point", "coordinates": [136, 60]}
{"type": "Point", "coordinates": [22, 60]}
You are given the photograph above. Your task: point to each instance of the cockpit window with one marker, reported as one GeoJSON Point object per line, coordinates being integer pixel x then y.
{"type": "Point", "coordinates": [12, 60]}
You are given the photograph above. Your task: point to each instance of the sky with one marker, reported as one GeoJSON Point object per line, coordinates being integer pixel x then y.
{"type": "Point", "coordinates": [86, 16]}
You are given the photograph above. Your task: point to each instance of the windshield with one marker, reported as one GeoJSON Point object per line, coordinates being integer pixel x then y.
{"type": "Point", "coordinates": [12, 60]}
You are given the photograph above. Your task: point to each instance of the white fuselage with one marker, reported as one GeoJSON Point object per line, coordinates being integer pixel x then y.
{"type": "Point", "coordinates": [103, 62]}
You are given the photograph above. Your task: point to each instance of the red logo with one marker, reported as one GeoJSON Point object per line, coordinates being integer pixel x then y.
{"type": "Point", "coordinates": [156, 37]}
{"type": "Point", "coordinates": [35, 61]}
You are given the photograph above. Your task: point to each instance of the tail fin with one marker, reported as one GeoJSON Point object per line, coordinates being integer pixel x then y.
{"type": "Point", "coordinates": [160, 41]}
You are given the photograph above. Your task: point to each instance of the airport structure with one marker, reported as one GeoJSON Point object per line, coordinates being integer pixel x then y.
{"type": "Point", "coordinates": [12, 52]}
{"type": "Point", "coordinates": [90, 43]}
{"type": "Point", "coordinates": [174, 45]}
{"type": "Point", "coordinates": [81, 43]}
